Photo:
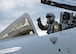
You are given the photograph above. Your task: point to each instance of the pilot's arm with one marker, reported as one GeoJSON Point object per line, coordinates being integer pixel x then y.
{"type": "Point", "coordinates": [40, 25]}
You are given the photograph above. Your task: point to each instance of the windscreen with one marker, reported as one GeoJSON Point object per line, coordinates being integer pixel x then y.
{"type": "Point", "coordinates": [20, 27]}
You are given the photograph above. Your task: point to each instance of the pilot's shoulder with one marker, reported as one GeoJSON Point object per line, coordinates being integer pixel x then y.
{"type": "Point", "coordinates": [55, 22]}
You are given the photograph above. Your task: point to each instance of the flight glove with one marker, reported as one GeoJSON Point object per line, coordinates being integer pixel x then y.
{"type": "Point", "coordinates": [39, 19]}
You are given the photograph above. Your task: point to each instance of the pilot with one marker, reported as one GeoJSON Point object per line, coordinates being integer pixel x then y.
{"type": "Point", "coordinates": [52, 25]}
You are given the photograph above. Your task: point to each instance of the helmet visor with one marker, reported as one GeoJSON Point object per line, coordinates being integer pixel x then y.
{"type": "Point", "coordinates": [48, 16]}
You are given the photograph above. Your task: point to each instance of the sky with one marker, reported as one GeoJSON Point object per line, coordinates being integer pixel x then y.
{"type": "Point", "coordinates": [10, 10]}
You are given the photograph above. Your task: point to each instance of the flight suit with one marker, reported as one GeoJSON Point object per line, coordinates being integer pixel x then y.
{"type": "Point", "coordinates": [51, 27]}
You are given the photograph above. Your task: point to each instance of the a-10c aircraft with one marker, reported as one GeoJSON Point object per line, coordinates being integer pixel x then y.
{"type": "Point", "coordinates": [21, 36]}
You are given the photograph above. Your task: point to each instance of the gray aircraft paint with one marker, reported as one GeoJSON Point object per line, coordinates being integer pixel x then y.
{"type": "Point", "coordinates": [42, 45]}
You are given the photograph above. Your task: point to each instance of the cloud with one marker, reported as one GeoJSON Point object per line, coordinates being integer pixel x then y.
{"type": "Point", "coordinates": [4, 24]}
{"type": "Point", "coordinates": [2, 27]}
{"type": "Point", "coordinates": [10, 10]}
{"type": "Point", "coordinates": [18, 7]}
{"type": "Point", "coordinates": [6, 5]}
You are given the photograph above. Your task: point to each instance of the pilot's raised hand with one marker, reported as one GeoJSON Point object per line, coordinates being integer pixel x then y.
{"type": "Point", "coordinates": [39, 19]}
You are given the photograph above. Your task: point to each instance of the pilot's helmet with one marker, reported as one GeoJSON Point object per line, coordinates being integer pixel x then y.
{"type": "Point", "coordinates": [50, 15]}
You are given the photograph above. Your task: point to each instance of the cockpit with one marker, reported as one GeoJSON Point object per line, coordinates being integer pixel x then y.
{"type": "Point", "coordinates": [22, 26]}
{"type": "Point", "coordinates": [67, 19]}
